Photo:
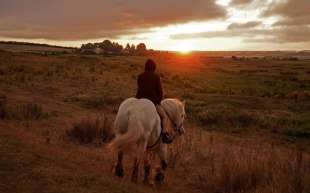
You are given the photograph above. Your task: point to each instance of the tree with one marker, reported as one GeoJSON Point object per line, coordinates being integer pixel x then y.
{"type": "Point", "coordinates": [88, 46]}
{"type": "Point", "coordinates": [110, 47]}
{"type": "Point", "coordinates": [132, 49]}
{"type": "Point", "coordinates": [127, 48]}
{"type": "Point", "coordinates": [106, 45]}
{"type": "Point", "coordinates": [141, 48]}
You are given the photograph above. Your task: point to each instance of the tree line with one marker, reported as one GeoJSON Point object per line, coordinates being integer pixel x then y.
{"type": "Point", "coordinates": [109, 47]}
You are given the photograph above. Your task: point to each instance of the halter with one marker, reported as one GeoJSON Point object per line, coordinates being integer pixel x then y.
{"type": "Point", "coordinates": [157, 141]}
{"type": "Point", "coordinates": [161, 131]}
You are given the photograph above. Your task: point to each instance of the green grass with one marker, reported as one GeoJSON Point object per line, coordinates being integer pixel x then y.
{"type": "Point", "coordinates": [221, 93]}
{"type": "Point", "coordinates": [267, 99]}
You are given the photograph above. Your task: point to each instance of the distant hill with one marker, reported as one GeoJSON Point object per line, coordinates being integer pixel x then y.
{"type": "Point", "coordinates": [32, 47]}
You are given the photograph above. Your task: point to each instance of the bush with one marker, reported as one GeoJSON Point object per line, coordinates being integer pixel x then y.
{"type": "Point", "coordinates": [87, 130]}
{"type": "Point", "coordinates": [29, 111]}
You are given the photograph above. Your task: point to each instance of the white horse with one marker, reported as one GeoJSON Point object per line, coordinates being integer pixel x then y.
{"type": "Point", "coordinates": [138, 125]}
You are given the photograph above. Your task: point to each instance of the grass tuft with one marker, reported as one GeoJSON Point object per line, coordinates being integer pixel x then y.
{"type": "Point", "coordinates": [90, 129]}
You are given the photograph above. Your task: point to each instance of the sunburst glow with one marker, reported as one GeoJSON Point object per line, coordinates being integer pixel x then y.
{"type": "Point", "coordinates": [183, 47]}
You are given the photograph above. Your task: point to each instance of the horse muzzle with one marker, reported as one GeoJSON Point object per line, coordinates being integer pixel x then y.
{"type": "Point", "coordinates": [181, 130]}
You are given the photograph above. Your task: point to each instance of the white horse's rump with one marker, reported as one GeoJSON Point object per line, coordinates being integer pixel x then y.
{"type": "Point", "coordinates": [138, 124]}
{"type": "Point", "coordinates": [135, 121]}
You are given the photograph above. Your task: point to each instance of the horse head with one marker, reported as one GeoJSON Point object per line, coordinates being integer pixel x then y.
{"type": "Point", "coordinates": [175, 110]}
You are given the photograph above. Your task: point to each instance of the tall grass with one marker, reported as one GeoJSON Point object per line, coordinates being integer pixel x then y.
{"type": "Point", "coordinates": [90, 129]}
{"type": "Point", "coordinates": [24, 112]}
{"type": "Point", "coordinates": [219, 165]}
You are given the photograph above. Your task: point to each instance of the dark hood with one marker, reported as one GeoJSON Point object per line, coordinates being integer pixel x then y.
{"type": "Point", "coordinates": [150, 66]}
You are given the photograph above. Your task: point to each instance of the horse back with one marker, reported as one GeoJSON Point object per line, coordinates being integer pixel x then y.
{"type": "Point", "coordinates": [133, 109]}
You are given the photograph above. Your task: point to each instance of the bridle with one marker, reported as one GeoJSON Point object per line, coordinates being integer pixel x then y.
{"type": "Point", "coordinates": [176, 127]}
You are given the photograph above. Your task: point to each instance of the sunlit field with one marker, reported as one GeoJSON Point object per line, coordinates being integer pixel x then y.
{"type": "Point", "coordinates": [247, 127]}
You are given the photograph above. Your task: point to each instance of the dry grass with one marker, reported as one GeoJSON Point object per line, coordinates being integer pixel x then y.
{"type": "Point", "coordinates": [25, 111]}
{"type": "Point", "coordinates": [268, 109]}
{"type": "Point", "coordinates": [215, 164]}
{"type": "Point", "coordinates": [90, 129]}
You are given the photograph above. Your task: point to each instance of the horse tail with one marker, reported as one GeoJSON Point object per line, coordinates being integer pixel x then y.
{"type": "Point", "coordinates": [133, 134]}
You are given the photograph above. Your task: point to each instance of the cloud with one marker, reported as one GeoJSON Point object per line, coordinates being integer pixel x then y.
{"type": "Point", "coordinates": [292, 25]}
{"type": "Point", "coordinates": [218, 34]}
{"type": "Point", "coordinates": [249, 24]}
{"type": "Point", "coordinates": [289, 34]}
{"type": "Point", "coordinates": [292, 12]}
{"type": "Point", "coordinates": [240, 2]}
{"type": "Point", "coordinates": [80, 19]}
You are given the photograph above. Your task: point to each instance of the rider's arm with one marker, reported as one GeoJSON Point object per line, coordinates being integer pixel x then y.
{"type": "Point", "coordinates": [159, 89]}
{"type": "Point", "coordinates": [138, 94]}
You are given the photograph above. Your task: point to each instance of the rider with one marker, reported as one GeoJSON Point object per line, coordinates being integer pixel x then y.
{"type": "Point", "coordinates": [149, 87]}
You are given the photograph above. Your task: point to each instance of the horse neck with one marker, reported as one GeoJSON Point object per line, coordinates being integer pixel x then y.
{"type": "Point", "coordinates": [169, 109]}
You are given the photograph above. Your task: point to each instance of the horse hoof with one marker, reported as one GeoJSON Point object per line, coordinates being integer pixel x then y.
{"type": "Point", "coordinates": [159, 179]}
{"type": "Point", "coordinates": [119, 171]}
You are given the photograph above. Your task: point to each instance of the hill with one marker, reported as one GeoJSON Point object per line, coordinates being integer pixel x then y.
{"type": "Point", "coordinates": [32, 47]}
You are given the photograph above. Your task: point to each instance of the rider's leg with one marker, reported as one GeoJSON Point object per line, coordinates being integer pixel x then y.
{"type": "Point", "coordinates": [164, 124]}
{"type": "Point", "coordinates": [163, 117]}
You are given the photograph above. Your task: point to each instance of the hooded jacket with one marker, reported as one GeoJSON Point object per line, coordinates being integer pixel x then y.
{"type": "Point", "coordinates": [149, 84]}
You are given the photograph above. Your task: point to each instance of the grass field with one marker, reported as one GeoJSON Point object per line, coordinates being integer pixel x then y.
{"type": "Point", "coordinates": [248, 122]}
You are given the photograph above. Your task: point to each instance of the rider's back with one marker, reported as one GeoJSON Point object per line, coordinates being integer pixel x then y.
{"type": "Point", "coordinates": [149, 87]}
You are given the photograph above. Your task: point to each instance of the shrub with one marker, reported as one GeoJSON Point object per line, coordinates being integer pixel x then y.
{"type": "Point", "coordinates": [89, 129]}
{"type": "Point", "coordinates": [26, 111]}
{"type": "Point", "coordinates": [29, 111]}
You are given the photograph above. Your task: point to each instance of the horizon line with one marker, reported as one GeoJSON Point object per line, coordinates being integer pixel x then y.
{"type": "Point", "coordinates": [189, 51]}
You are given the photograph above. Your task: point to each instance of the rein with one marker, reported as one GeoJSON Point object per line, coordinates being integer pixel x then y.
{"type": "Point", "coordinates": [161, 132]}
{"type": "Point", "coordinates": [157, 141]}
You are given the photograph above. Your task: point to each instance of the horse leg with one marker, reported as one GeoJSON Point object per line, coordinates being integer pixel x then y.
{"type": "Point", "coordinates": [160, 176]}
{"type": "Point", "coordinates": [135, 171]}
{"type": "Point", "coordinates": [119, 171]}
{"type": "Point", "coordinates": [147, 169]}
{"type": "Point", "coordinates": [140, 154]}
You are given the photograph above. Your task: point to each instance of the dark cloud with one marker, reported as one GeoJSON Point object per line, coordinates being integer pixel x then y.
{"type": "Point", "coordinates": [292, 34]}
{"type": "Point", "coordinates": [240, 2]}
{"type": "Point", "coordinates": [284, 35]}
{"type": "Point", "coordinates": [219, 34]}
{"type": "Point", "coordinates": [293, 25]}
{"type": "Point", "coordinates": [249, 24]}
{"type": "Point", "coordinates": [81, 19]}
{"type": "Point", "coordinates": [292, 12]}
{"type": "Point", "coordinates": [289, 34]}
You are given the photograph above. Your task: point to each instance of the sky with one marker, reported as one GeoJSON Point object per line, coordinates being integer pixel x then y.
{"type": "Point", "coordinates": [180, 25]}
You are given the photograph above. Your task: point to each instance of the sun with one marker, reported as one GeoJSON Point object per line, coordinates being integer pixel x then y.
{"type": "Point", "coordinates": [183, 47]}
